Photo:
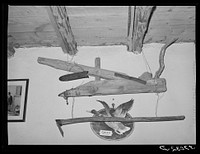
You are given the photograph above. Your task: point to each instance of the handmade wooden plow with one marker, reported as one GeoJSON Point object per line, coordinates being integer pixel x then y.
{"type": "Point", "coordinates": [113, 83]}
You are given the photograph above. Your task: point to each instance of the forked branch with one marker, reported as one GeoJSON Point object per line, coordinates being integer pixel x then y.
{"type": "Point", "coordinates": [161, 58]}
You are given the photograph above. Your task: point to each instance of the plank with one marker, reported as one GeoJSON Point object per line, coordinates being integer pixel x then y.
{"type": "Point", "coordinates": [75, 67]}
{"type": "Point", "coordinates": [99, 26]}
{"type": "Point", "coordinates": [49, 38]}
{"type": "Point", "coordinates": [97, 66]}
{"type": "Point", "coordinates": [115, 87]}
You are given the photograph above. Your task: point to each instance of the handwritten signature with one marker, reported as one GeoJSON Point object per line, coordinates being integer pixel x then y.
{"type": "Point", "coordinates": [177, 148]}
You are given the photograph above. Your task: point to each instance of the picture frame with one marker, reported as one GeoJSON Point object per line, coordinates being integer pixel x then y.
{"type": "Point", "coordinates": [17, 91]}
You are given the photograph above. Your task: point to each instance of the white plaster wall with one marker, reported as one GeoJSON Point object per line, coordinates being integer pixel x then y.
{"type": "Point", "coordinates": [44, 105]}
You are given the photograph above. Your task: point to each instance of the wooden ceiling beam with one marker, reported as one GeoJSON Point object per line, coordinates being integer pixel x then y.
{"type": "Point", "coordinates": [99, 26]}
{"type": "Point", "coordinates": [60, 22]}
{"type": "Point", "coordinates": [138, 19]}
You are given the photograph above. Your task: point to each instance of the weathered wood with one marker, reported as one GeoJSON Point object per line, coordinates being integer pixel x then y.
{"type": "Point", "coordinates": [161, 58]}
{"type": "Point", "coordinates": [139, 17]}
{"type": "Point", "coordinates": [115, 87]}
{"type": "Point", "coordinates": [59, 124]}
{"type": "Point", "coordinates": [10, 50]}
{"type": "Point", "coordinates": [74, 67]}
{"type": "Point", "coordinates": [62, 122]}
{"type": "Point", "coordinates": [98, 26]}
{"type": "Point", "coordinates": [97, 66]}
{"type": "Point", "coordinates": [145, 76]}
{"type": "Point", "coordinates": [130, 78]}
{"type": "Point", "coordinates": [11, 46]}
{"type": "Point", "coordinates": [60, 22]}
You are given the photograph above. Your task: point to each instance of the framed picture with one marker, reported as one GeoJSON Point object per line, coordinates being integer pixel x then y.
{"type": "Point", "coordinates": [17, 99]}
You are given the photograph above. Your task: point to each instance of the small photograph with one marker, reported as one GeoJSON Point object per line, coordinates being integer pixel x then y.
{"type": "Point", "coordinates": [16, 99]}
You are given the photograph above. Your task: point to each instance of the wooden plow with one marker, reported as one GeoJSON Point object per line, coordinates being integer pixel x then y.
{"type": "Point", "coordinates": [113, 83]}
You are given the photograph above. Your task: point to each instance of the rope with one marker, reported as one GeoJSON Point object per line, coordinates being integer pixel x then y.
{"type": "Point", "coordinates": [158, 99]}
{"type": "Point", "coordinates": [149, 68]}
{"type": "Point", "coordinates": [71, 58]}
{"type": "Point", "coordinates": [67, 102]}
{"type": "Point", "coordinates": [156, 110]}
{"type": "Point", "coordinates": [146, 62]}
{"type": "Point", "coordinates": [75, 64]}
{"type": "Point", "coordinates": [72, 111]}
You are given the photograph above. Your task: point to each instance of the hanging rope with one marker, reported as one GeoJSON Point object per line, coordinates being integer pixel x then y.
{"type": "Point", "coordinates": [158, 99]}
{"type": "Point", "coordinates": [156, 110]}
{"type": "Point", "coordinates": [146, 62]}
{"type": "Point", "coordinates": [72, 111]}
{"type": "Point", "coordinates": [71, 58]}
{"type": "Point", "coordinates": [75, 64]}
{"type": "Point", "coordinates": [148, 68]}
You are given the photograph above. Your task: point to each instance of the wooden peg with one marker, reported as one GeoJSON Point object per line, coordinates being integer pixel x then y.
{"type": "Point", "coordinates": [97, 66]}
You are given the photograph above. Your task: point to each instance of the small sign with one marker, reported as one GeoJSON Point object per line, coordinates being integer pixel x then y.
{"type": "Point", "coordinates": [105, 133]}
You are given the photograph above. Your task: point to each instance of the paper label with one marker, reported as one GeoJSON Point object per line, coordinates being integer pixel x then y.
{"type": "Point", "coordinates": [105, 133]}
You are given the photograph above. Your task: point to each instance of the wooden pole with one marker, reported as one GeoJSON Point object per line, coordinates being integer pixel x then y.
{"type": "Point", "coordinates": [74, 67]}
{"type": "Point", "coordinates": [92, 71]}
{"type": "Point", "coordinates": [97, 66]}
{"type": "Point", "coordinates": [61, 122]}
